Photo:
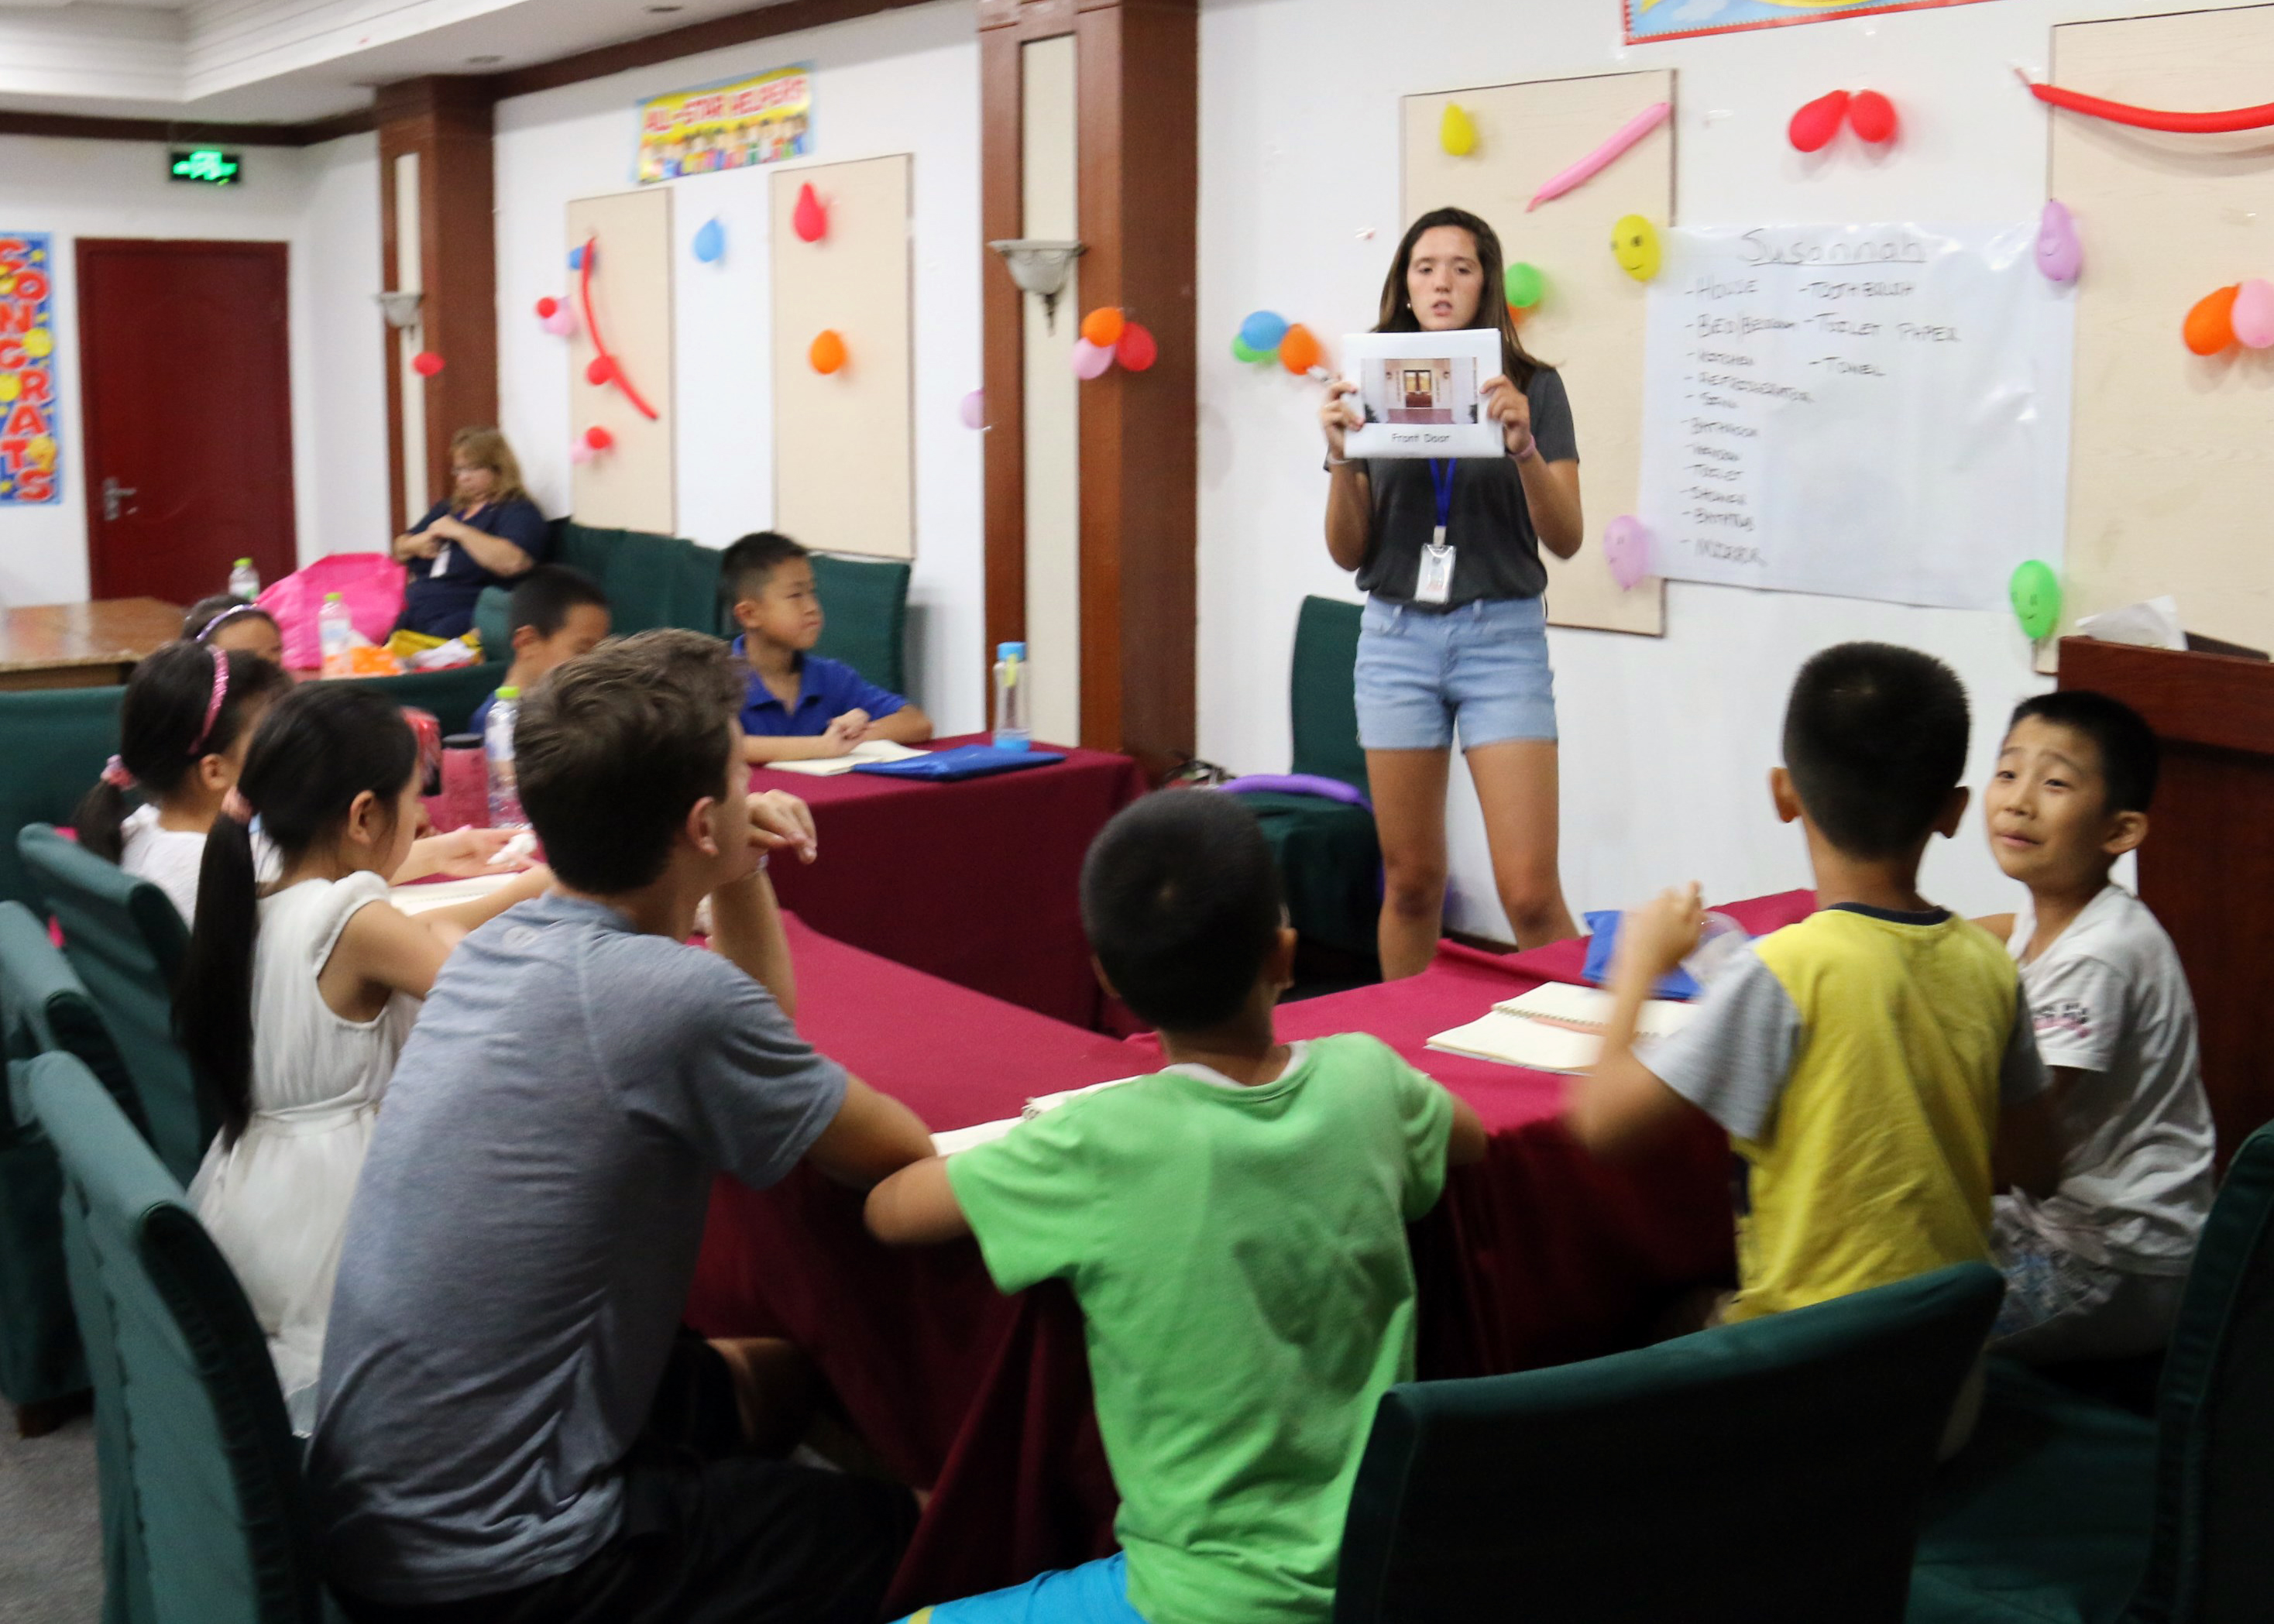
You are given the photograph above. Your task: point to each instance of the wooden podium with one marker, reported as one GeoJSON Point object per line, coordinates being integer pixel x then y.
{"type": "Point", "coordinates": [2208, 867]}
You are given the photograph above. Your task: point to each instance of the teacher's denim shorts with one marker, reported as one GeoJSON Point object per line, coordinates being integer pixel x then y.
{"type": "Point", "coordinates": [1482, 668]}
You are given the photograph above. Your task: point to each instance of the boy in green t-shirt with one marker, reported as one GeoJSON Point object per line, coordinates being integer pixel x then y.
{"type": "Point", "coordinates": [1233, 1226]}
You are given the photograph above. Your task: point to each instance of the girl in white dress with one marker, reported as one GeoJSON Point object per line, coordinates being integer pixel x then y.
{"type": "Point", "coordinates": [296, 997]}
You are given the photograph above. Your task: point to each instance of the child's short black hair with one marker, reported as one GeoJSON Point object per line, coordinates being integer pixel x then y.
{"type": "Point", "coordinates": [544, 595]}
{"type": "Point", "coordinates": [1875, 741]}
{"type": "Point", "coordinates": [611, 750]}
{"type": "Point", "coordinates": [2130, 756]}
{"type": "Point", "coordinates": [1180, 899]}
{"type": "Point", "coordinates": [751, 561]}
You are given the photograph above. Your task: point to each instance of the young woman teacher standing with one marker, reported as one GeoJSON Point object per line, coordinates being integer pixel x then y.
{"type": "Point", "coordinates": [1458, 642]}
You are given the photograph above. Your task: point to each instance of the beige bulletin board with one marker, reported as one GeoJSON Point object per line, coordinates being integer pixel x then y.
{"type": "Point", "coordinates": [2172, 460]}
{"type": "Point", "coordinates": [844, 442]}
{"type": "Point", "coordinates": [631, 485]}
{"type": "Point", "coordinates": [1590, 325]}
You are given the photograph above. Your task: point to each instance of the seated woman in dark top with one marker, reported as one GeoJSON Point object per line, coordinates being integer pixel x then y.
{"type": "Point", "coordinates": [487, 532]}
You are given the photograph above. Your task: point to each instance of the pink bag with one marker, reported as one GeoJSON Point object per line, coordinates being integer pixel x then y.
{"type": "Point", "coordinates": [371, 583]}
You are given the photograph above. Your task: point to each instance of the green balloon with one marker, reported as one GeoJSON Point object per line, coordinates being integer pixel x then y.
{"type": "Point", "coordinates": [1526, 285]}
{"type": "Point", "coordinates": [1242, 352]}
{"type": "Point", "coordinates": [2036, 595]}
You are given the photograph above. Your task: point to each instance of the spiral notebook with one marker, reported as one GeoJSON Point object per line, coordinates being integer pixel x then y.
{"type": "Point", "coordinates": [1555, 1027]}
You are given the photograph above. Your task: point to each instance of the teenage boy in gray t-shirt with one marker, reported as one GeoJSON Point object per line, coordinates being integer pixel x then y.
{"type": "Point", "coordinates": [512, 1424]}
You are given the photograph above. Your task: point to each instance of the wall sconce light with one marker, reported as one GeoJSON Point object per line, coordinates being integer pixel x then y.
{"type": "Point", "coordinates": [1039, 266]}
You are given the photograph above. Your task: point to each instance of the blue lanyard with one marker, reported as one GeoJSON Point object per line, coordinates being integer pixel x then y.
{"type": "Point", "coordinates": [1441, 475]}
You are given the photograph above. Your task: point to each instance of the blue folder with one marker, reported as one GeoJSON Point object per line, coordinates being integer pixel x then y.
{"type": "Point", "coordinates": [965, 761]}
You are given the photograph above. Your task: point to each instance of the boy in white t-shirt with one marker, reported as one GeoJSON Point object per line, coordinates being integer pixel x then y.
{"type": "Point", "coordinates": [2095, 1270]}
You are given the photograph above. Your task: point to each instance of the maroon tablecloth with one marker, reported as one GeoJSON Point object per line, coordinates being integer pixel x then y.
{"type": "Point", "coordinates": [975, 883]}
{"type": "Point", "coordinates": [1538, 1256]}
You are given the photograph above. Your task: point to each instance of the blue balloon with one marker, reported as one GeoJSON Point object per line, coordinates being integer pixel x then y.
{"type": "Point", "coordinates": [1263, 329]}
{"type": "Point", "coordinates": [576, 258]}
{"type": "Point", "coordinates": [710, 241]}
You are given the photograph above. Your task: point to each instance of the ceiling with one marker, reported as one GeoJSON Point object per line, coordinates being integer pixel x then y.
{"type": "Point", "coordinates": [287, 60]}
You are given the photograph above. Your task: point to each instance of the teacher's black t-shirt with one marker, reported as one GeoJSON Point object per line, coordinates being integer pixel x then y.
{"type": "Point", "coordinates": [1495, 549]}
{"type": "Point", "coordinates": [438, 600]}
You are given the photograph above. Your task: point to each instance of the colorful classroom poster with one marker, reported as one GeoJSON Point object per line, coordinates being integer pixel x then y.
{"type": "Point", "coordinates": [731, 126]}
{"type": "Point", "coordinates": [1685, 19]}
{"type": "Point", "coordinates": [28, 473]}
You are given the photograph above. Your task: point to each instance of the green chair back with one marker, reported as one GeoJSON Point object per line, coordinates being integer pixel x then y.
{"type": "Point", "coordinates": [126, 940]}
{"type": "Point", "coordinates": [651, 581]}
{"type": "Point", "coordinates": [225, 1530]}
{"type": "Point", "coordinates": [1768, 1470]}
{"type": "Point", "coordinates": [1325, 693]}
{"type": "Point", "coordinates": [2212, 1561]}
{"type": "Point", "coordinates": [493, 619]}
{"type": "Point", "coordinates": [452, 695]}
{"type": "Point", "coordinates": [55, 743]}
{"type": "Point", "coordinates": [864, 606]}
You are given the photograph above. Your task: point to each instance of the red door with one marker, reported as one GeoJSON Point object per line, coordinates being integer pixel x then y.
{"type": "Point", "coordinates": [188, 408]}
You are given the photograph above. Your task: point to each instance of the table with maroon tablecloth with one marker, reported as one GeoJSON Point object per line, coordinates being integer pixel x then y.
{"type": "Point", "coordinates": [1538, 1256]}
{"type": "Point", "coordinates": [974, 882]}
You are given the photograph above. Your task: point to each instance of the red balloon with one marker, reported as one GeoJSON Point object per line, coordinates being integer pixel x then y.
{"type": "Point", "coordinates": [545, 306]}
{"type": "Point", "coordinates": [599, 370]}
{"type": "Point", "coordinates": [1136, 351]}
{"type": "Point", "coordinates": [807, 219]}
{"type": "Point", "coordinates": [599, 438]}
{"type": "Point", "coordinates": [1814, 127]}
{"type": "Point", "coordinates": [425, 363]}
{"type": "Point", "coordinates": [1873, 116]}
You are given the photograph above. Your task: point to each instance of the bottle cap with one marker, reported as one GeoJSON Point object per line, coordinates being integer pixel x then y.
{"type": "Point", "coordinates": [245, 563]}
{"type": "Point", "coordinates": [509, 691]}
{"type": "Point", "coordinates": [1010, 651]}
{"type": "Point", "coordinates": [331, 598]}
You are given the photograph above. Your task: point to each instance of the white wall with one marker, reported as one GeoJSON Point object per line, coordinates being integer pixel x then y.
{"type": "Point", "coordinates": [324, 202]}
{"type": "Point", "coordinates": [904, 81]}
{"type": "Point", "coordinates": [1667, 742]}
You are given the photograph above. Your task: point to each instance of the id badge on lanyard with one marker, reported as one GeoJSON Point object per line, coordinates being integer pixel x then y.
{"type": "Point", "coordinates": [1435, 584]}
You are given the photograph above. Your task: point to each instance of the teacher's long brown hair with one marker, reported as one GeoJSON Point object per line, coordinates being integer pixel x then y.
{"type": "Point", "coordinates": [1398, 303]}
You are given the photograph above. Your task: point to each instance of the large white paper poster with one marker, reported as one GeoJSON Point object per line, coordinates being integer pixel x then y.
{"type": "Point", "coordinates": [1862, 410]}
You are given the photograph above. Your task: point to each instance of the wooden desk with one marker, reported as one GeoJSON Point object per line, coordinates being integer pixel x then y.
{"type": "Point", "coordinates": [2208, 867]}
{"type": "Point", "coordinates": [82, 645]}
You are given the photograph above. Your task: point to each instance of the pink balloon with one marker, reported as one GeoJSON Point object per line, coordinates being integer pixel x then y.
{"type": "Point", "coordinates": [1625, 136]}
{"type": "Point", "coordinates": [561, 323]}
{"type": "Point", "coordinates": [974, 410]}
{"type": "Point", "coordinates": [578, 451]}
{"type": "Point", "coordinates": [1090, 360]}
{"type": "Point", "coordinates": [1626, 549]}
{"type": "Point", "coordinates": [2253, 315]}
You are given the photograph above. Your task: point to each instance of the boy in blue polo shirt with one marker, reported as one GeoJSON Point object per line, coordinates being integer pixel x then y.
{"type": "Point", "coordinates": [800, 706]}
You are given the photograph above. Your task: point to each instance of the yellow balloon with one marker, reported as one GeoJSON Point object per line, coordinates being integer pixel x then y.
{"type": "Point", "coordinates": [1457, 132]}
{"type": "Point", "coordinates": [39, 343]}
{"type": "Point", "coordinates": [1634, 245]}
{"type": "Point", "coordinates": [10, 386]}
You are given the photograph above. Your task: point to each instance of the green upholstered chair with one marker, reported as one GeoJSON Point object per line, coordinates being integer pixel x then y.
{"type": "Point", "coordinates": [1330, 858]}
{"type": "Point", "coordinates": [1768, 1470]}
{"type": "Point", "coordinates": [865, 607]}
{"type": "Point", "coordinates": [651, 581]}
{"type": "Point", "coordinates": [494, 620]}
{"type": "Point", "coordinates": [54, 743]}
{"type": "Point", "coordinates": [452, 695]}
{"type": "Point", "coordinates": [221, 1510]}
{"type": "Point", "coordinates": [2065, 1510]}
{"type": "Point", "coordinates": [126, 940]}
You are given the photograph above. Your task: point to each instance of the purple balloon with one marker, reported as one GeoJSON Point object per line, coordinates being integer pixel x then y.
{"type": "Point", "coordinates": [1090, 360]}
{"type": "Point", "coordinates": [2060, 256]}
{"type": "Point", "coordinates": [1626, 549]}
{"type": "Point", "coordinates": [974, 410]}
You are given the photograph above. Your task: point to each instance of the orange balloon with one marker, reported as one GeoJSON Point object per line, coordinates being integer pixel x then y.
{"type": "Point", "coordinates": [828, 351]}
{"type": "Point", "coordinates": [1102, 326]}
{"type": "Point", "coordinates": [1298, 350]}
{"type": "Point", "coordinates": [2211, 325]}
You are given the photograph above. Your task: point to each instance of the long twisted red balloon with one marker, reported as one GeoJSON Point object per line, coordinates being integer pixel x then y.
{"type": "Point", "coordinates": [616, 366]}
{"type": "Point", "coordinates": [2154, 118]}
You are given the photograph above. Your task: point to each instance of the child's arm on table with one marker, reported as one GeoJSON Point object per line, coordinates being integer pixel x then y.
{"type": "Point", "coordinates": [1622, 1104]}
{"type": "Point", "coordinates": [461, 855]}
{"type": "Point", "coordinates": [746, 925]}
{"type": "Point", "coordinates": [842, 733]}
{"type": "Point", "coordinates": [908, 725]}
{"type": "Point", "coordinates": [382, 950]}
{"type": "Point", "coordinates": [916, 1207]}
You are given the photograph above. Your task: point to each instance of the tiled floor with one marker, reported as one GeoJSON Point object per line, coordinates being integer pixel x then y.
{"type": "Point", "coordinates": [51, 1529]}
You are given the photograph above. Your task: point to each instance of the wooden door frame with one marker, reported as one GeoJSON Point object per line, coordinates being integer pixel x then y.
{"type": "Point", "coordinates": [90, 415]}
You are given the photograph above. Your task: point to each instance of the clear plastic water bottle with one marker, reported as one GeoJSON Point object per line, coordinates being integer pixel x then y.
{"type": "Point", "coordinates": [497, 748]}
{"type": "Point", "coordinates": [244, 581]}
{"type": "Point", "coordinates": [336, 633]}
{"type": "Point", "coordinates": [1012, 731]}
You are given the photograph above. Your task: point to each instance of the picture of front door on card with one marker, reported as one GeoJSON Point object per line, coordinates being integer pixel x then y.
{"type": "Point", "coordinates": [1419, 394]}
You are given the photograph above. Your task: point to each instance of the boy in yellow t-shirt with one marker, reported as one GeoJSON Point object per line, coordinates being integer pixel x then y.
{"type": "Point", "coordinates": [1865, 1061]}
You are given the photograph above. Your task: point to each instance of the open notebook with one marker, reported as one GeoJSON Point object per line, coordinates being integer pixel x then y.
{"type": "Point", "coordinates": [963, 1139]}
{"type": "Point", "coordinates": [1555, 1027]}
{"type": "Point", "coordinates": [829, 766]}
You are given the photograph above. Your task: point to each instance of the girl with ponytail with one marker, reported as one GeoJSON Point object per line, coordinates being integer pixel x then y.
{"type": "Point", "coordinates": [188, 715]}
{"type": "Point", "coordinates": [295, 997]}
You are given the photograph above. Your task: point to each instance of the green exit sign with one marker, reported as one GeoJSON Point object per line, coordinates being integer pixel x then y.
{"type": "Point", "coordinates": [208, 166]}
